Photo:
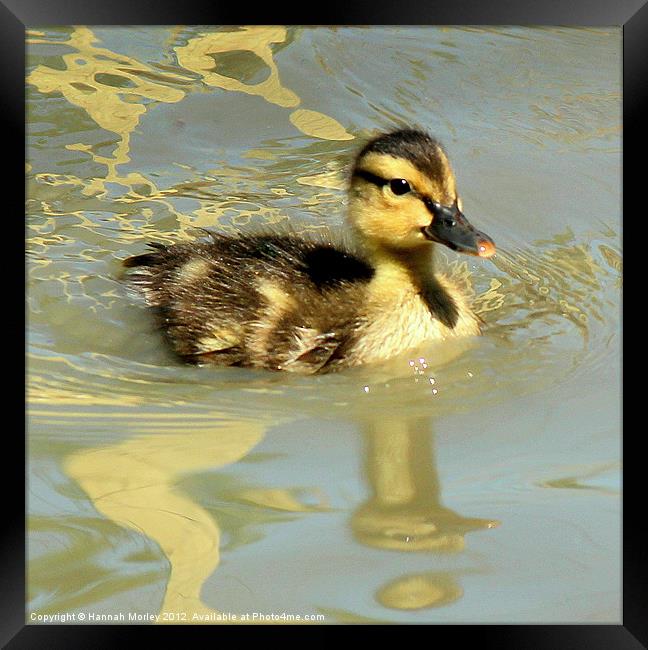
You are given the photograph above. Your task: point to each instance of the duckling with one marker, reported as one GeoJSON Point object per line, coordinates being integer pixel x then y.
{"type": "Point", "coordinates": [309, 305]}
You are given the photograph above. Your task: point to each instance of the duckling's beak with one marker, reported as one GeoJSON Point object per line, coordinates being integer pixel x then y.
{"type": "Point", "coordinates": [451, 228]}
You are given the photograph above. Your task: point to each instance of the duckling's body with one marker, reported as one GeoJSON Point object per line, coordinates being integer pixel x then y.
{"type": "Point", "coordinates": [285, 302]}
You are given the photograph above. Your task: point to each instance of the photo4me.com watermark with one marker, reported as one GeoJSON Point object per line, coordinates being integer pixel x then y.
{"type": "Point", "coordinates": [174, 617]}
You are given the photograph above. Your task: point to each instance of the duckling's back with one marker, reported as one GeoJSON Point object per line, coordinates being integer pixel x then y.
{"type": "Point", "coordinates": [271, 301]}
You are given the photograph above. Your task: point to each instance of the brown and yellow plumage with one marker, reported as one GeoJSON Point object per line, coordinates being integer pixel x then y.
{"type": "Point", "coordinates": [285, 302]}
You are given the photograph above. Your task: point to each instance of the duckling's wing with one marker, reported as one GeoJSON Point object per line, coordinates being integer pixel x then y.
{"type": "Point", "coordinates": [314, 351]}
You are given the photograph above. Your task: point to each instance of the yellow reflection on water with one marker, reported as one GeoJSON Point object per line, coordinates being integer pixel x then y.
{"type": "Point", "coordinates": [200, 53]}
{"type": "Point", "coordinates": [318, 125]}
{"type": "Point", "coordinates": [111, 88]}
{"type": "Point", "coordinates": [115, 90]}
{"type": "Point", "coordinates": [132, 484]}
{"type": "Point", "coordinates": [198, 56]}
{"type": "Point", "coordinates": [420, 591]}
{"type": "Point", "coordinates": [405, 513]}
{"type": "Point", "coordinates": [330, 180]}
{"type": "Point", "coordinates": [280, 499]}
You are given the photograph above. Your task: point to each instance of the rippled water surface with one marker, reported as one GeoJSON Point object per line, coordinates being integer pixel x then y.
{"type": "Point", "coordinates": [472, 484]}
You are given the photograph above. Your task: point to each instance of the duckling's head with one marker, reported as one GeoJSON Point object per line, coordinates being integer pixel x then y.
{"type": "Point", "coordinates": [403, 197]}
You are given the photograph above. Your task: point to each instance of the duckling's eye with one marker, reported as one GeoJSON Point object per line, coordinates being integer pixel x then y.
{"type": "Point", "coordinates": [399, 186]}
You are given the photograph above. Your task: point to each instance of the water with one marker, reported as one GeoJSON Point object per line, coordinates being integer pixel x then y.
{"type": "Point", "coordinates": [479, 484]}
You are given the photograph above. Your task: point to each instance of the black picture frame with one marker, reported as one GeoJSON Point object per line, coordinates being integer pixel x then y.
{"type": "Point", "coordinates": [16, 15]}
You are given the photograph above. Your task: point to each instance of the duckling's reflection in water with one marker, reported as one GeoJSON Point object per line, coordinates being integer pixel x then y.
{"type": "Point", "coordinates": [133, 483]}
{"type": "Point", "coordinates": [404, 512]}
